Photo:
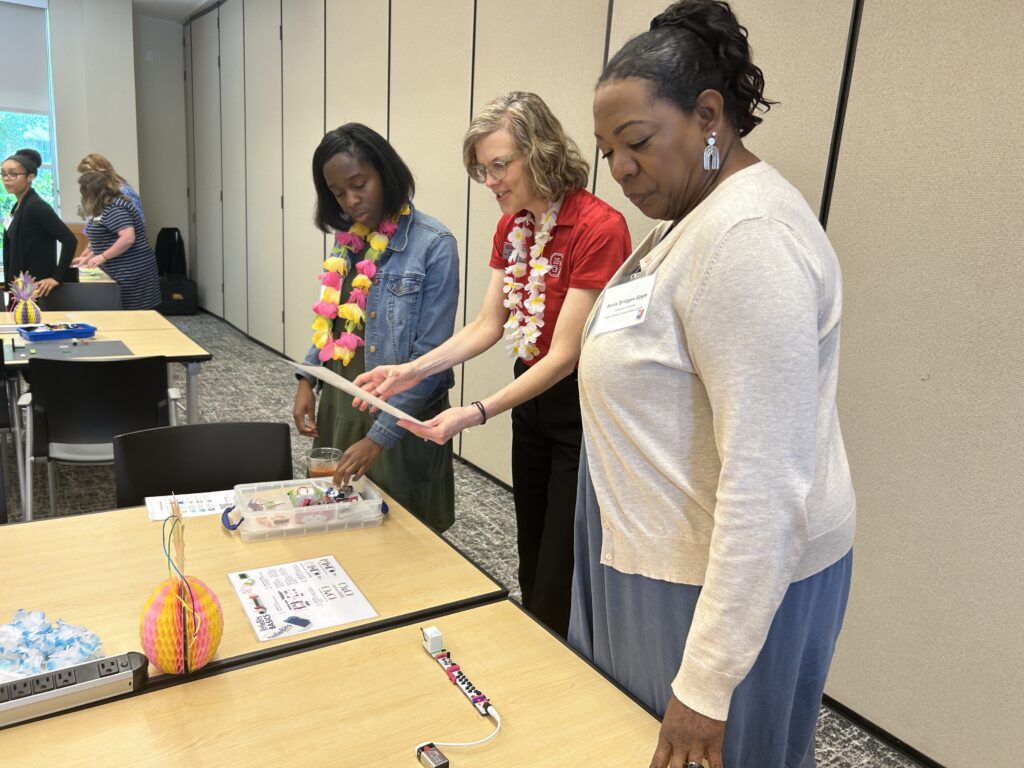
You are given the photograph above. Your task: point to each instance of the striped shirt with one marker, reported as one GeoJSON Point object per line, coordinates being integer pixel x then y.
{"type": "Point", "coordinates": [135, 269]}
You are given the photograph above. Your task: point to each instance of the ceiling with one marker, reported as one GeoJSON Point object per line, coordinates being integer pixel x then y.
{"type": "Point", "coordinates": [169, 10]}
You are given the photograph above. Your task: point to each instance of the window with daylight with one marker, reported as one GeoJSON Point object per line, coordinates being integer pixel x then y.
{"type": "Point", "coordinates": [26, 112]}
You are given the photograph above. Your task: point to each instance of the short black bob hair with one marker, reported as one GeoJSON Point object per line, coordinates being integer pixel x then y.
{"type": "Point", "coordinates": [367, 146]}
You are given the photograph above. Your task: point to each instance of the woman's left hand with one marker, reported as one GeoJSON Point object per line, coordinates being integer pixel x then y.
{"type": "Point", "coordinates": [356, 461]}
{"type": "Point", "coordinates": [445, 425]}
{"type": "Point", "coordinates": [688, 737]}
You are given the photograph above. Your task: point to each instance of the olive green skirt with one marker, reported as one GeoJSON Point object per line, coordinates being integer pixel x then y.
{"type": "Point", "coordinates": [414, 472]}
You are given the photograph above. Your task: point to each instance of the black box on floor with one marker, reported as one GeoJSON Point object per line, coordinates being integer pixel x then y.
{"type": "Point", "coordinates": [178, 294]}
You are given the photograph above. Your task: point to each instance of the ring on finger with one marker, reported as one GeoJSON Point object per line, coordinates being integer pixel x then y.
{"type": "Point", "coordinates": [692, 764]}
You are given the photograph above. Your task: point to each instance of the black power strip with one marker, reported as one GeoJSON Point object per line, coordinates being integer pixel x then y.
{"type": "Point", "coordinates": [49, 692]}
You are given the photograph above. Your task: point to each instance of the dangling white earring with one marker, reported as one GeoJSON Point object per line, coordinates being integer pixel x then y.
{"type": "Point", "coordinates": [712, 160]}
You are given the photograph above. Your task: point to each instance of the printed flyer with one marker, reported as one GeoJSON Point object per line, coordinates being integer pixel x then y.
{"type": "Point", "coordinates": [293, 598]}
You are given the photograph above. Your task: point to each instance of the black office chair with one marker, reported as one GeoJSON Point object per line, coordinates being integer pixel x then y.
{"type": "Point", "coordinates": [69, 297]}
{"type": "Point", "coordinates": [6, 427]}
{"type": "Point", "coordinates": [77, 407]}
{"type": "Point", "coordinates": [197, 458]}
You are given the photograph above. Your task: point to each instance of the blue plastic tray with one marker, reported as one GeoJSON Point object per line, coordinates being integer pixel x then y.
{"type": "Point", "coordinates": [57, 331]}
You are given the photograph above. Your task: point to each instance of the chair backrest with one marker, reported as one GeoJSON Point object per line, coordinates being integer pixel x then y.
{"type": "Point", "coordinates": [91, 401]}
{"type": "Point", "coordinates": [5, 423]}
{"type": "Point", "coordinates": [5, 406]}
{"type": "Point", "coordinates": [197, 458]}
{"type": "Point", "coordinates": [69, 297]}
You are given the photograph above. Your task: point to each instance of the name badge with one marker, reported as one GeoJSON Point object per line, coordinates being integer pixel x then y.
{"type": "Point", "coordinates": [624, 305]}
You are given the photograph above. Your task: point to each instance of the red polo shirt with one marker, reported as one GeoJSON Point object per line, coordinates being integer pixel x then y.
{"type": "Point", "coordinates": [589, 242]}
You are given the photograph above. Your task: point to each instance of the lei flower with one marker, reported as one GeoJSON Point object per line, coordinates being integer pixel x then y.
{"type": "Point", "coordinates": [526, 315]}
{"type": "Point", "coordinates": [358, 240]}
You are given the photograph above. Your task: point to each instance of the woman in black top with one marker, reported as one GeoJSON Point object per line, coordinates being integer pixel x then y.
{"type": "Point", "coordinates": [32, 228]}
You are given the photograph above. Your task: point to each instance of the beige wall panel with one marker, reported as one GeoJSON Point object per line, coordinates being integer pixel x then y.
{"type": "Point", "coordinates": [92, 67]}
{"type": "Point", "coordinates": [553, 59]}
{"type": "Point", "coordinates": [796, 134]}
{"type": "Point", "coordinates": [190, 152]}
{"type": "Point", "coordinates": [161, 124]}
{"type": "Point", "coordinates": [263, 159]}
{"type": "Point", "coordinates": [926, 218]}
{"type": "Point", "coordinates": [427, 123]}
{"type": "Point", "coordinates": [357, 63]}
{"type": "Point", "coordinates": [209, 273]}
{"type": "Point", "coordinates": [232, 93]}
{"type": "Point", "coordinates": [303, 52]}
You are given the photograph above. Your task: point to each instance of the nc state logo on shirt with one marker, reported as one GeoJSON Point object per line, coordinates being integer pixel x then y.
{"type": "Point", "coordinates": [556, 264]}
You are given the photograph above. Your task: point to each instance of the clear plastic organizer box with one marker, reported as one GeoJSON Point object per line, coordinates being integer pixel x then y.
{"type": "Point", "coordinates": [274, 510]}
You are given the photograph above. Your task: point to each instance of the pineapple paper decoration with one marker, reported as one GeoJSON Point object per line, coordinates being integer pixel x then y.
{"type": "Point", "coordinates": [24, 309]}
{"type": "Point", "coordinates": [182, 622]}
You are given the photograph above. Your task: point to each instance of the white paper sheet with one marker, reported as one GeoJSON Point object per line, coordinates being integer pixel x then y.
{"type": "Point", "coordinates": [328, 376]}
{"type": "Point", "coordinates": [293, 598]}
{"type": "Point", "coordinates": [190, 504]}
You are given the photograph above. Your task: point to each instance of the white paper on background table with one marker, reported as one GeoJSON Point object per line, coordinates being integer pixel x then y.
{"type": "Point", "coordinates": [191, 504]}
{"type": "Point", "coordinates": [327, 376]}
{"type": "Point", "coordinates": [293, 598]}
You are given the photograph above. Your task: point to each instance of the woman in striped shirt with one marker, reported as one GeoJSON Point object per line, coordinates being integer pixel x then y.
{"type": "Point", "coordinates": [118, 242]}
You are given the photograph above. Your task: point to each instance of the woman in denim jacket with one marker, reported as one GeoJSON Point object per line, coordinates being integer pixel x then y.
{"type": "Point", "coordinates": [389, 294]}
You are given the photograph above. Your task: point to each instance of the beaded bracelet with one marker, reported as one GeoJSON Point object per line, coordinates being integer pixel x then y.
{"type": "Point", "coordinates": [483, 413]}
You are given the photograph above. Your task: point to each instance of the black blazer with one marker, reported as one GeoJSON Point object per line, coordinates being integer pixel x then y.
{"type": "Point", "coordinates": [28, 242]}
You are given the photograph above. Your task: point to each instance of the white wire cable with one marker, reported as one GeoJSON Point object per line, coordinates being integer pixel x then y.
{"type": "Point", "coordinates": [490, 711]}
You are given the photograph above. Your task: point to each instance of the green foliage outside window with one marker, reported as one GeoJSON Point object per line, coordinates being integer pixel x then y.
{"type": "Point", "coordinates": [18, 130]}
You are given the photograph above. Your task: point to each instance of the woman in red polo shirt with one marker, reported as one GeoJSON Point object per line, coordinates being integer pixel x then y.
{"type": "Point", "coordinates": [555, 247]}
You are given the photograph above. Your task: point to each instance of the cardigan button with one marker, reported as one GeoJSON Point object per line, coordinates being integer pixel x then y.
{"type": "Point", "coordinates": [373, 348]}
{"type": "Point", "coordinates": [373, 315]}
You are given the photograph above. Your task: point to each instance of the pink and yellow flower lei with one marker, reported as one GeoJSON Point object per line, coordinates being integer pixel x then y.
{"type": "Point", "coordinates": [336, 267]}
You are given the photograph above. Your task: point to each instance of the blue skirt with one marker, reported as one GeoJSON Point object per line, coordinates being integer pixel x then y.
{"type": "Point", "coordinates": [634, 629]}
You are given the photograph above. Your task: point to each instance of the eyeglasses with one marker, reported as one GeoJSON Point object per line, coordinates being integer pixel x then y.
{"type": "Point", "coordinates": [12, 174]}
{"type": "Point", "coordinates": [497, 169]}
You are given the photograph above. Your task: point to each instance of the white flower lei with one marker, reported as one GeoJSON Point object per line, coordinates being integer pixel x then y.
{"type": "Point", "coordinates": [526, 316]}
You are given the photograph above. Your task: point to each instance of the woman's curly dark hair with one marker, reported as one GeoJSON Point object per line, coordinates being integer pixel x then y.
{"type": "Point", "coordinates": [692, 46]}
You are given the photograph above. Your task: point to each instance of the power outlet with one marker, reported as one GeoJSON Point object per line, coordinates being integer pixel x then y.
{"type": "Point", "coordinates": [50, 692]}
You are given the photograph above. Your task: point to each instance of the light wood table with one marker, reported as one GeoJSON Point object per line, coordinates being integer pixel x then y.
{"type": "Point", "coordinates": [97, 571]}
{"type": "Point", "coordinates": [144, 332]}
{"type": "Point", "coordinates": [137, 329]}
{"type": "Point", "coordinates": [115, 320]}
{"type": "Point", "coordinates": [367, 702]}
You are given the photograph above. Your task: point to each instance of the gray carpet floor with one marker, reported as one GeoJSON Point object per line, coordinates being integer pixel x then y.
{"type": "Point", "coordinates": [247, 382]}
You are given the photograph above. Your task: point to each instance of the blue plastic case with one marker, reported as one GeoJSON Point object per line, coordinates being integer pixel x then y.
{"type": "Point", "coordinates": [56, 331]}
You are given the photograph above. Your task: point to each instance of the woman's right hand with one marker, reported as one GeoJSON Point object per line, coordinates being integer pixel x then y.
{"type": "Point", "coordinates": [385, 381]}
{"type": "Point", "coordinates": [304, 412]}
{"type": "Point", "coordinates": [79, 261]}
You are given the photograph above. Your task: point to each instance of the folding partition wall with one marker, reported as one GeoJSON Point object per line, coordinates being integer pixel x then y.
{"type": "Point", "coordinates": [924, 215]}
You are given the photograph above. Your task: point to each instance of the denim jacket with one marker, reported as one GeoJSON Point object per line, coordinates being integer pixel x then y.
{"type": "Point", "coordinates": [410, 310]}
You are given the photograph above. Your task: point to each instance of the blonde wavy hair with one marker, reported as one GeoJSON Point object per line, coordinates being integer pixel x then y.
{"type": "Point", "coordinates": [553, 161]}
{"type": "Point", "coordinates": [97, 162]}
{"type": "Point", "coordinates": [98, 191]}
